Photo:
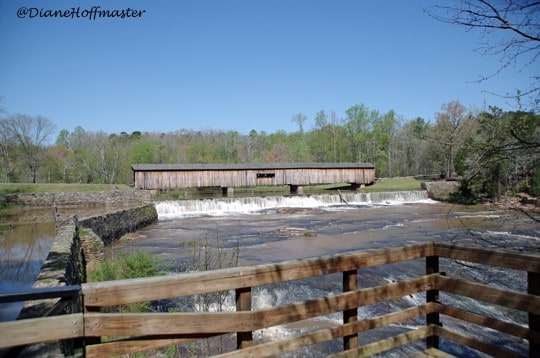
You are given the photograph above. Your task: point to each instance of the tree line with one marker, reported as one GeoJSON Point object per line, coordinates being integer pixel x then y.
{"type": "Point", "coordinates": [492, 151]}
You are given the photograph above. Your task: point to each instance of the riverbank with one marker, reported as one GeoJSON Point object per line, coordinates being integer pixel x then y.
{"type": "Point", "coordinates": [77, 249]}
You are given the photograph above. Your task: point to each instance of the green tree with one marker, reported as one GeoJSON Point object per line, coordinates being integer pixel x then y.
{"type": "Point", "coordinates": [506, 151]}
{"type": "Point", "coordinates": [383, 148]}
{"type": "Point", "coordinates": [143, 151]}
{"type": "Point", "coordinates": [357, 128]}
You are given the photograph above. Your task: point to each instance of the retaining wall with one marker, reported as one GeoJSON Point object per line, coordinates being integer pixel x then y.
{"type": "Point", "coordinates": [112, 226]}
{"type": "Point", "coordinates": [63, 199]}
{"type": "Point", "coordinates": [75, 250]}
{"type": "Point", "coordinates": [440, 190]}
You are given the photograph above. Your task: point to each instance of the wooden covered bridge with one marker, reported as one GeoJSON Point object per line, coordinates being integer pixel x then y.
{"type": "Point", "coordinates": [229, 176]}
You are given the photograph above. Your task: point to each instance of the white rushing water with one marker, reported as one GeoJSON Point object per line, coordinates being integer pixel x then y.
{"type": "Point", "coordinates": [173, 209]}
{"type": "Point", "coordinates": [343, 222]}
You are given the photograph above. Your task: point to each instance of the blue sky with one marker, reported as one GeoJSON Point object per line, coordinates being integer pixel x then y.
{"type": "Point", "coordinates": [238, 64]}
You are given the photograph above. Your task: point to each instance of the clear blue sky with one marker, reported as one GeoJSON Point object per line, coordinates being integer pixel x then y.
{"type": "Point", "coordinates": [237, 64]}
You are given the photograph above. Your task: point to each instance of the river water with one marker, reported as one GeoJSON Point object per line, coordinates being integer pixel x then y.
{"type": "Point", "coordinates": [247, 231]}
{"type": "Point", "coordinates": [23, 249]}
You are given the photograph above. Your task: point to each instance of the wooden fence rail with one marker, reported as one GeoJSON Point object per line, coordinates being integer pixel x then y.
{"type": "Point", "coordinates": [132, 332]}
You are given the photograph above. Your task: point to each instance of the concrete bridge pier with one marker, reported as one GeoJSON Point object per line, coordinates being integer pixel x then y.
{"type": "Point", "coordinates": [297, 189]}
{"type": "Point", "coordinates": [228, 191]}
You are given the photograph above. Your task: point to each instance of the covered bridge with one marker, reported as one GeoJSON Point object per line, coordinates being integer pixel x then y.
{"type": "Point", "coordinates": [228, 176]}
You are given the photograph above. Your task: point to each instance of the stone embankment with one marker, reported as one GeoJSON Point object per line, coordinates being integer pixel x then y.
{"type": "Point", "coordinates": [77, 199]}
{"type": "Point", "coordinates": [79, 246]}
{"type": "Point", "coordinates": [440, 190]}
{"type": "Point", "coordinates": [111, 226]}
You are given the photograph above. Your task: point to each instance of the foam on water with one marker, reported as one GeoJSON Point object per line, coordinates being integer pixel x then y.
{"type": "Point", "coordinates": [173, 209]}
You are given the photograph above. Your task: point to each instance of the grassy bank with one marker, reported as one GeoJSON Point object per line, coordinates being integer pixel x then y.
{"type": "Point", "coordinates": [385, 184]}
{"type": "Point", "coordinates": [26, 188]}
{"type": "Point", "coordinates": [394, 184]}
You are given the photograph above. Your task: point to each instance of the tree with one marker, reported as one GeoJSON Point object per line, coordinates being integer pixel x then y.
{"type": "Point", "coordinates": [357, 128]}
{"type": "Point", "coordinates": [30, 134]}
{"type": "Point", "coordinates": [384, 133]}
{"type": "Point", "coordinates": [518, 24]}
{"type": "Point", "coordinates": [6, 144]}
{"type": "Point", "coordinates": [504, 155]}
{"type": "Point", "coordinates": [299, 119]}
{"type": "Point", "coordinates": [414, 150]}
{"type": "Point", "coordinates": [451, 132]}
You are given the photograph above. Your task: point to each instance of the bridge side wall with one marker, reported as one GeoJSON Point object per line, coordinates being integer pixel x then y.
{"type": "Point", "coordinates": [236, 178]}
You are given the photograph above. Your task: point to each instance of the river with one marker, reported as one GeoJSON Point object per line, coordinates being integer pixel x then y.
{"type": "Point", "coordinates": [23, 249]}
{"type": "Point", "coordinates": [247, 231]}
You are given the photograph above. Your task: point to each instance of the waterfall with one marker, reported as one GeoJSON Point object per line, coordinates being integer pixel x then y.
{"type": "Point", "coordinates": [171, 209]}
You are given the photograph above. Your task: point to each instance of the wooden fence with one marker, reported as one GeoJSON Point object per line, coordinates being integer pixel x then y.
{"type": "Point", "coordinates": [133, 332]}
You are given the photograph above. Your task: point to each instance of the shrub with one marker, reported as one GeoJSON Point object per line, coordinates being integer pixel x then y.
{"type": "Point", "coordinates": [140, 264]}
{"type": "Point", "coordinates": [535, 183]}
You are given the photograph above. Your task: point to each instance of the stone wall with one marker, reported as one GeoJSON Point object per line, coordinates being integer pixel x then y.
{"type": "Point", "coordinates": [440, 190]}
{"type": "Point", "coordinates": [67, 199]}
{"type": "Point", "coordinates": [79, 244]}
{"type": "Point", "coordinates": [112, 226]}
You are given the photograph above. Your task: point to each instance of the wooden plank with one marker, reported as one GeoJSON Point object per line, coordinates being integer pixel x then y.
{"type": "Point", "coordinates": [275, 348]}
{"type": "Point", "coordinates": [120, 348]}
{"type": "Point", "coordinates": [389, 343]}
{"type": "Point", "coordinates": [511, 299]}
{"type": "Point", "coordinates": [350, 283]}
{"type": "Point", "coordinates": [28, 331]}
{"type": "Point", "coordinates": [533, 288]}
{"type": "Point", "coordinates": [243, 303]}
{"type": "Point", "coordinates": [494, 257]}
{"type": "Point", "coordinates": [434, 353]}
{"type": "Point", "coordinates": [344, 301]}
{"type": "Point", "coordinates": [432, 266]}
{"type": "Point", "coordinates": [493, 323]}
{"type": "Point", "coordinates": [41, 293]}
{"type": "Point", "coordinates": [139, 324]}
{"type": "Point", "coordinates": [163, 287]}
{"type": "Point", "coordinates": [485, 347]}
{"type": "Point", "coordinates": [144, 324]}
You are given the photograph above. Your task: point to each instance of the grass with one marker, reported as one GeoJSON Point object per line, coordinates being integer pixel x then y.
{"type": "Point", "coordinates": [384, 184]}
{"type": "Point", "coordinates": [394, 184]}
{"type": "Point", "coordinates": [27, 188]}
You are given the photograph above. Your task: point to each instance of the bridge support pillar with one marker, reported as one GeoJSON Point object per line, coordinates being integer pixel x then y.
{"type": "Point", "coordinates": [228, 191]}
{"type": "Point", "coordinates": [297, 189]}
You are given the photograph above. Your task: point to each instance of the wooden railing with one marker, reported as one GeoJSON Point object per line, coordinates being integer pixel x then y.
{"type": "Point", "coordinates": [132, 332]}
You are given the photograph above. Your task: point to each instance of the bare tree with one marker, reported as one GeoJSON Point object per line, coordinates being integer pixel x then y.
{"type": "Point", "coordinates": [509, 29]}
{"type": "Point", "coordinates": [6, 145]}
{"type": "Point", "coordinates": [31, 134]}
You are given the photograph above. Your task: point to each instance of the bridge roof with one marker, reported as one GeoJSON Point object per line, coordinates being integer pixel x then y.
{"type": "Point", "coordinates": [263, 166]}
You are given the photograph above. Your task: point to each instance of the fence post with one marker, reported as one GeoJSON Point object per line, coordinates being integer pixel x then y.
{"type": "Point", "coordinates": [533, 288]}
{"type": "Point", "coordinates": [432, 266]}
{"type": "Point", "coordinates": [350, 283]}
{"type": "Point", "coordinates": [243, 303]}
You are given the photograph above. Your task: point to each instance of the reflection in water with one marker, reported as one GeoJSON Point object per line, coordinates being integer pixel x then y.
{"type": "Point", "coordinates": [23, 249]}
